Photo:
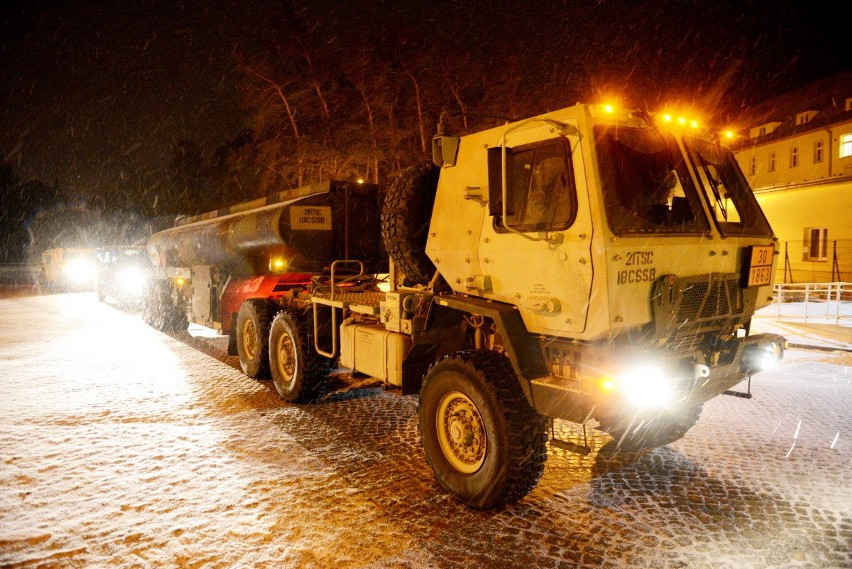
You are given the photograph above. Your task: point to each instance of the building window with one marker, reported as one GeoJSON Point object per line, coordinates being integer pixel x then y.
{"type": "Point", "coordinates": [816, 244]}
{"type": "Point", "coordinates": [803, 118]}
{"type": "Point", "coordinates": [762, 131]}
{"type": "Point", "coordinates": [819, 151]}
{"type": "Point", "coordinates": [845, 145]}
{"type": "Point", "coordinates": [794, 157]}
{"type": "Point", "coordinates": [849, 104]}
{"type": "Point", "coordinates": [752, 169]}
{"type": "Point", "coordinates": [771, 167]}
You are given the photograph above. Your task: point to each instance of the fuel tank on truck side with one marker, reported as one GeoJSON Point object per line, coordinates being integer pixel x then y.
{"type": "Point", "coordinates": [307, 228]}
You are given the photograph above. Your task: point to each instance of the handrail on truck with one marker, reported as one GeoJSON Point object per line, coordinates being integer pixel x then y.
{"type": "Point", "coordinates": [314, 301]}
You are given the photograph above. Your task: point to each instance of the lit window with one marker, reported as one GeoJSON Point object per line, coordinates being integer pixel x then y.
{"type": "Point", "coordinates": [819, 151]}
{"type": "Point", "coordinates": [752, 169]}
{"type": "Point", "coordinates": [845, 145]}
{"type": "Point", "coordinates": [794, 157]}
{"type": "Point", "coordinates": [771, 162]}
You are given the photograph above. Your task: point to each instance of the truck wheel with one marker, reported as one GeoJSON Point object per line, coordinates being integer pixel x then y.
{"type": "Point", "coordinates": [300, 375]}
{"type": "Point", "coordinates": [160, 311]}
{"type": "Point", "coordinates": [484, 442]}
{"type": "Point", "coordinates": [252, 335]}
{"type": "Point", "coordinates": [405, 219]}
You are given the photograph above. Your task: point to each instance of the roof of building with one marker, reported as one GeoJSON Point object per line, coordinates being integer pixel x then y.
{"type": "Point", "coordinates": [826, 96]}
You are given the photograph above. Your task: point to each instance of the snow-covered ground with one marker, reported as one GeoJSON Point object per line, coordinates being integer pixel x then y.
{"type": "Point", "coordinates": [121, 447]}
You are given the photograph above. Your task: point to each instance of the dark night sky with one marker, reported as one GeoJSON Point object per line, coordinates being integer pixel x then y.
{"type": "Point", "coordinates": [96, 92]}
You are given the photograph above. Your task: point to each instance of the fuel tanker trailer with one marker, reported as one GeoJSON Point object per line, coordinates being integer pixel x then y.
{"type": "Point", "coordinates": [238, 269]}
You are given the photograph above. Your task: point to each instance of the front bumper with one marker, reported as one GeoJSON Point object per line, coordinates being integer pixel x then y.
{"type": "Point", "coordinates": [700, 379]}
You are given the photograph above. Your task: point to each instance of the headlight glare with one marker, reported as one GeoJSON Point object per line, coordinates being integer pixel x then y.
{"type": "Point", "coordinates": [646, 386]}
{"type": "Point", "coordinates": [762, 358]}
{"type": "Point", "coordinates": [80, 271]}
{"type": "Point", "coordinates": [131, 280]}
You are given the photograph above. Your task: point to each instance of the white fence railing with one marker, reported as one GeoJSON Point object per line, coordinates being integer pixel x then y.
{"type": "Point", "coordinates": [815, 302]}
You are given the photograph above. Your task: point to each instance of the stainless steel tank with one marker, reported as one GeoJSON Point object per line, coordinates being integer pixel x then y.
{"type": "Point", "coordinates": [307, 227]}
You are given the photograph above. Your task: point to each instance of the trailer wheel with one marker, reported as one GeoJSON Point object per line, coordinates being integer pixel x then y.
{"type": "Point", "coordinates": [252, 335]}
{"type": "Point", "coordinates": [405, 220]}
{"type": "Point", "coordinates": [300, 375]}
{"type": "Point", "coordinates": [484, 442]}
{"type": "Point", "coordinates": [161, 312]}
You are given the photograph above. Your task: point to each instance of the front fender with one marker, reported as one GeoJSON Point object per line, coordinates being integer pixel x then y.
{"type": "Point", "coordinates": [444, 331]}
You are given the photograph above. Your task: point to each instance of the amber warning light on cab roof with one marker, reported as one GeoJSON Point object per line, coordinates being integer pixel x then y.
{"type": "Point", "coordinates": [665, 120]}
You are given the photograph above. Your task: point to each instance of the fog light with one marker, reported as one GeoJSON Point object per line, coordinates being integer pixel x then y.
{"type": "Point", "coordinates": [762, 357]}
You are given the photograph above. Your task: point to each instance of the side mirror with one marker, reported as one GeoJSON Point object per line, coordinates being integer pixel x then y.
{"type": "Point", "coordinates": [445, 150]}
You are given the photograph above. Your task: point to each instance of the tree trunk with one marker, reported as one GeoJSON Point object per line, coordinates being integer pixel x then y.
{"type": "Point", "coordinates": [418, 102]}
{"type": "Point", "coordinates": [373, 137]}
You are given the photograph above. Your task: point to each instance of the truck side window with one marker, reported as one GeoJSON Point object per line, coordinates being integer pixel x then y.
{"type": "Point", "coordinates": [540, 187]}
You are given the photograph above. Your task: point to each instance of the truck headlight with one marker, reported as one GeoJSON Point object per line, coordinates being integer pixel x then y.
{"type": "Point", "coordinates": [646, 385]}
{"type": "Point", "coordinates": [131, 281]}
{"type": "Point", "coordinates": [80, 271]}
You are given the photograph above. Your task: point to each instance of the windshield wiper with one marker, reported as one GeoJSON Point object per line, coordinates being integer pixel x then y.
{"type": "Point", "coordinates": [714, 186]}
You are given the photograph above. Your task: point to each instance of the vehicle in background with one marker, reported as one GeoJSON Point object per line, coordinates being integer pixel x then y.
{"type": "Point", "coordinates": [124, 274]}
{"type": "Point", "coordinates": [68, 269]}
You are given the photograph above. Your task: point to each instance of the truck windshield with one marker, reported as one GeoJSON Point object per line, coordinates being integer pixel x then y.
{"type": "Point", "coordinates": [731, 200]}
{"type": "Point", "coordinates": [646, 184]}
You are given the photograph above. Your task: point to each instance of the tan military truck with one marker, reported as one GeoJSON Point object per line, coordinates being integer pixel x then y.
{"type": "Point", "coordinates": [595, 265]}
{"type": "Point", "coordinates": [67, 269]}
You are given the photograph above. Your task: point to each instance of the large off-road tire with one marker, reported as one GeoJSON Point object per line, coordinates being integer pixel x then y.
{"type": "Point", "coordinates": [484, 442]}
{"type": "Point", "coordinates": [406, 213]}
{"type": "Point", "coordinates": [253, 339]}
{"type": "Point", "coordinates": [160, 310]}
{"type": "Point", "coordinates": [299, 374]}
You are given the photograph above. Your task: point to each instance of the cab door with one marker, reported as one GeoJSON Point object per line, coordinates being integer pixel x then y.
{"type": "Point", "coordinates": [536, 244]}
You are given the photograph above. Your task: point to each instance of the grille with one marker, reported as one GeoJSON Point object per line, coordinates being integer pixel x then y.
{"type": "Point", "coordinates": [710, 299]}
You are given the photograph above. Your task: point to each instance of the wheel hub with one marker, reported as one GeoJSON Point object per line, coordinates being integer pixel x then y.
{"type": "Point", "coordinates": [249, 339]}
{"type": "Point", "coordinates": [286, 357]}
{"type": "Point", "coordinates": [461, 432]}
